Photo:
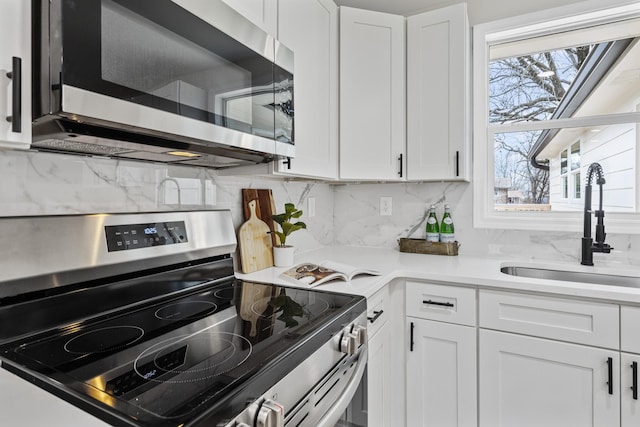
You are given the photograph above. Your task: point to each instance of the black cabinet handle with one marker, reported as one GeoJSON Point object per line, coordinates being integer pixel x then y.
{"type": "Point", "coordinates": [457, 163]}
{"type": "Point", "coordinates": [634, 380]}
{"type": "Point", "coordinates": [400, 160]}
{"type": "Point", "coordinates": [376, 314]}
{"type": "Point", "coordinates": [443, 304]}
{"type": "Point", "coordinates": [16, 103]}
{"type": "Point", "coordinates": [287, 162]}
{"type": "Point", "coordinates": [610, 372]}
{"type": "Point", "coordinates": [411, 339]}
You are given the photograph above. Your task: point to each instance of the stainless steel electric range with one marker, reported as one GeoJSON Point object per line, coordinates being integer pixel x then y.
{"type": "Point", "coordinates": [139, 320]}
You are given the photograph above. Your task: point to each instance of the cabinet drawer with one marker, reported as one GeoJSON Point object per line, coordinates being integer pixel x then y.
{"type": "Point", "coordinates": [629, 321]}
{"type": "Point", "coordinates": [562, 319]}
{"type": "Point", "coordinates": [451, 304]}
{"type": "Point", "coordinates": [377, 311]}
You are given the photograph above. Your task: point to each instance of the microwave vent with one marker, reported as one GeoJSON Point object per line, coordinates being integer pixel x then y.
{"type": "Point", "coordinates": [65, 145]}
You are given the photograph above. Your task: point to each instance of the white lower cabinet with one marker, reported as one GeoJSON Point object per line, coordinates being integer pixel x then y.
{"type": "Point", "coordinates": [441, 360]}
{"type": "Point", "coordinates": [629, 365]}
{"type": "Point", "coordinates": [629, 393]}
{"type": "Point", "coordinates": [441, 374]}
{"type": "Point", "coordinates": [526, 381]}
{"type": "Point", "coordinates": [379, 365]}
{"type": "Point", "coordinates": [378, 379]}
{"type": "Point", "coordinates": [549, 361]}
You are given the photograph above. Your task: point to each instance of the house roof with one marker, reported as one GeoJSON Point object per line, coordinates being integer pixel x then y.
{"type": "Point", "coordinates": [590, 79]}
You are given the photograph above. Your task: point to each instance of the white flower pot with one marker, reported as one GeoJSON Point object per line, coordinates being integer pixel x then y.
{"type": "Point", "coordinates": [283, 256]}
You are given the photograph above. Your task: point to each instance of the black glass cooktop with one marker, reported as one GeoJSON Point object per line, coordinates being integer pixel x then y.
{"type": "Point", "coordinates": [178, 360]}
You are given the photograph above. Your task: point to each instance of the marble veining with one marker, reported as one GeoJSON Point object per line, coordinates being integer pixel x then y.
{"type": "Point", "coordinates": [33, 183]}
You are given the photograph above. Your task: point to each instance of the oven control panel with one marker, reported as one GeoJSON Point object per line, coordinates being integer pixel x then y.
{"type": "Point", "coordinates": [137, 236]}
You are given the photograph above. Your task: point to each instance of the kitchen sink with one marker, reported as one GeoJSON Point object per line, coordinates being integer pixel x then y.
{"type": "Point", "coordinates": [572, 276]}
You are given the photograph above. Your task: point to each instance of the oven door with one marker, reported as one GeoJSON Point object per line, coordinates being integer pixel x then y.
{"type": "Point", "coordinates": [355, 413]}
{"type": "Point", "coordinates": [350, 409]}
{"type": "Point", "coordinates": [123, 61]}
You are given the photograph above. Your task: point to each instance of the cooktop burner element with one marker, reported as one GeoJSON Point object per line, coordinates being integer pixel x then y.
{"type": "Point", "coordinates": [224, 292]}
{"type": "Point", "coordinates": [105, 339]}
{"type": "Point", "coordinates": [186, 310]}
{"type": "Point", "coordinates": [224, 351]}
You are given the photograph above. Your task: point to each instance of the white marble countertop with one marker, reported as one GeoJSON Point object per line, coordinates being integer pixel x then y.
{"type": "Point", "coordinates": [461, 269]}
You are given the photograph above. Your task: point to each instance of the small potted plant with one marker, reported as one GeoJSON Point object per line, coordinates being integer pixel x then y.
{"type": "Point", "coordinates": [283, 253]}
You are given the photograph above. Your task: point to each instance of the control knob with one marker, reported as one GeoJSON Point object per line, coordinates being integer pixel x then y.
{"type": "Point", "coordinates": [361, 334]}
{"type": "Point", "coordinates": [271, 414]}
{"type": "Point", "coordinates": [348, 343]}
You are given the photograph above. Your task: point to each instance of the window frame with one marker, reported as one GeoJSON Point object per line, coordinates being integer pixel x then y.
{"type": "Point", "coordinates": [574, 16]}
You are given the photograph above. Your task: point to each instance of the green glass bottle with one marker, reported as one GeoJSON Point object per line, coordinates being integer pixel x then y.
{"type": "Point", "coordinates": [433, 231]}
{"type": "Point", "coordinates": [446, 228]}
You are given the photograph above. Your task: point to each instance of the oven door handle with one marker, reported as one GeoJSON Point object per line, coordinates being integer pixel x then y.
{"type": "Point", "coordinates": [342, 403]}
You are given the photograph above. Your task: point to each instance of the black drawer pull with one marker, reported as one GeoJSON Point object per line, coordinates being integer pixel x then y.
{"type": "Point", "coordinates": [376, 314]}
{"type": "Point", "coordinates": [634, 380]}
{"type": "Point", "coordinates": [16, 102]}
{"type": "Point", "coordinates": [610, 374]}
{"type": "Point", "coordinates": [443, 304]}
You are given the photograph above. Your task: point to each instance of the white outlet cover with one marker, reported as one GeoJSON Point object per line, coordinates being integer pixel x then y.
{"type": "Point", "coordinates": [386, 206]}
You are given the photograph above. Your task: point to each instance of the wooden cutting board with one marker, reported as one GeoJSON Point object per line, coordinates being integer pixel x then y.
{"type": "Point", "coordinates": [256, 249]}
{"type": "Point", "coordinates": [265, 209]}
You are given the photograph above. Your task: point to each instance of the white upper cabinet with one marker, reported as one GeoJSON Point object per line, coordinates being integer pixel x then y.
{"type": "Point", "coordinates": [263, 13]}
{"type": "Point", "coordinates": [438, 136]}
{"type": "Point", "coordinates": [310, 29]}
{"type": "Point", "coordinates": [372, 95]}
{"type": "Point", "coordinates": [15, 42]}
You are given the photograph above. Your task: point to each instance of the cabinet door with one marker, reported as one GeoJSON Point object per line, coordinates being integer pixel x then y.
{"type": "Point", "coordinates": [15, 41]}
{"type": "Point", "coordinates": [263, 13]}
{"type": "Point", "coordinates": [378, 370]}
{"type": "Point", "coordinates": [372, 95]}
{"type": "Point", "coordinates": [310, 29]}
{"type": "Point", "coordinates": [629, 393]}
{"type": "Point", "coordinates": [438, 136]}
{"type": "Point", "coordinates": [528, 381]}
{"type": "Point", "coordinates": [441, 375]}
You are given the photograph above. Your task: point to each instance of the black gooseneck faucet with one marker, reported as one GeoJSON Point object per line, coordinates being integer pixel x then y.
{"type": "Point", "coordinates": [588, 245]}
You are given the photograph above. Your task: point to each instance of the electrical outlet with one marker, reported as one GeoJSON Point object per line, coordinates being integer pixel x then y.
{"type": "Point", "coordinates": [311, 207]}
{"type": "Point", "coordinates": [385, 206]}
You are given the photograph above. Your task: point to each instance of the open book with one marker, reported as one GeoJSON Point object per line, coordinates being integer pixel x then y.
{"type": "Point", "coordinates": [315, 274]}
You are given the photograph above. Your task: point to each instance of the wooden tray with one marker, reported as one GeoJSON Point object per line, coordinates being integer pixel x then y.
{"type": "Point", "coordinates": [421, 246]}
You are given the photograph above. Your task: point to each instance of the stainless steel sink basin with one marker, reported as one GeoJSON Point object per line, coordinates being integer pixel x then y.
{"type": "Point", "coordinates": [573, 276]}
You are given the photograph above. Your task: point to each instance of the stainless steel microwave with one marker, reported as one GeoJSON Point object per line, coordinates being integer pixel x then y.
{"type": "Point", "coordinates": [183, 81]}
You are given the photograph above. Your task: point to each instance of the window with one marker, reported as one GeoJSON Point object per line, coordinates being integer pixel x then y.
{"type": "Point", "coordinates": [569, 173]}
{"type": "Point", "coordinates": [554, 92]}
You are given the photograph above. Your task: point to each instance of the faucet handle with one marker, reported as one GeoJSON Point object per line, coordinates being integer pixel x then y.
{"type": "Point", "coordinates": [602, 247]}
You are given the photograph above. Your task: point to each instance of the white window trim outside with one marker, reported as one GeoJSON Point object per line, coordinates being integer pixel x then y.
{"type": "Point", "coordinates": [577, 15]}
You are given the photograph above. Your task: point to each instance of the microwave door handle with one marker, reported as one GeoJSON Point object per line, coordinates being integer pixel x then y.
{"type": "Point", "coordinates": [342, 403]}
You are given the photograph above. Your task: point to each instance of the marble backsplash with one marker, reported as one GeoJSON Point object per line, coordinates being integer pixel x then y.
{"type": "Point", "coordinates": [34, 183]}
{"type": "Point", "coordinates": [357, 222]}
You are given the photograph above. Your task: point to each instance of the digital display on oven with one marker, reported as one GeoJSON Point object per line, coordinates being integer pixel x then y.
{"type": "Point", "coordinates": [137, 236]}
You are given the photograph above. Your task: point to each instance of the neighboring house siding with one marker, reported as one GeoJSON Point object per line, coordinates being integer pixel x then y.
{"type": "Point", "coordinates": [614, 148]}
